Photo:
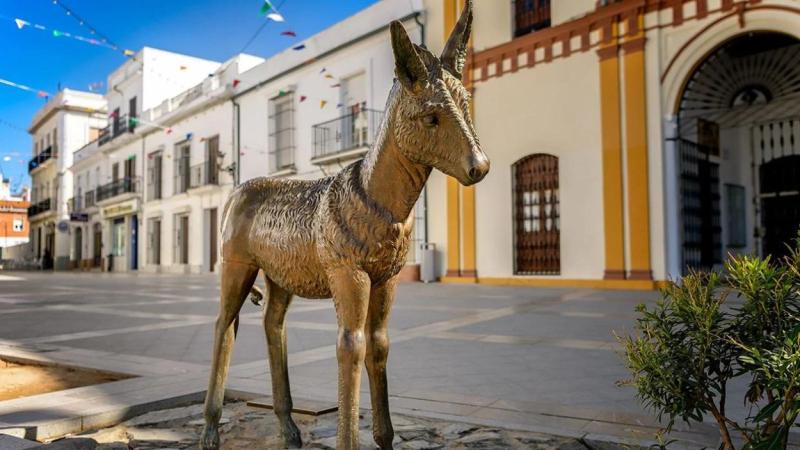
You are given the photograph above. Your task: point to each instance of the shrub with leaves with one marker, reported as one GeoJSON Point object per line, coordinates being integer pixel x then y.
{"type": "Point", "coordinates": [684, 350]}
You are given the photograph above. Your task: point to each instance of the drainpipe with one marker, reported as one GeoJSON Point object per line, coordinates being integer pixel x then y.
{"type": "Point", "coordinates": [425, 191]}
{"type": "Point", "coordinates": [237, 128]}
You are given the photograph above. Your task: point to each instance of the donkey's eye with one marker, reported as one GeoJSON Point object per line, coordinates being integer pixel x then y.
{"type": "Point", "coordinates": [430, 120]}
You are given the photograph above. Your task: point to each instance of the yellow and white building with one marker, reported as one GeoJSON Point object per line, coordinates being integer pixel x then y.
{"type": "Point", "coordinates": [629, 140]}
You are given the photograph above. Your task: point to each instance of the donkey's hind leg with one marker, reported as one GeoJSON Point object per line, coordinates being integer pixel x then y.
{"type": "Point", "coordinates": [236, 280]}
{"type": "Point", "coordinates": [275, 329]}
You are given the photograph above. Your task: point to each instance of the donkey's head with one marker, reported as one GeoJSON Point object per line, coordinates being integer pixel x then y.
{"type": "Point", "coordinates": [432, 122]}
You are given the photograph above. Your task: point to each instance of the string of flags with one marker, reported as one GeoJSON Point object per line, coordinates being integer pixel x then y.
{"type": "Point", "coordinates": [39, 93]}
{"type": "Point", "coordinates": [92, 30]}
{"type": "Point", "coordinates": [271, 12]}
{"type": "Point", "coordinates": [23, 24]}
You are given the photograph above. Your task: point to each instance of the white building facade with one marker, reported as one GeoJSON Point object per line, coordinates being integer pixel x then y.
{"type": "Point", "coordinates": [66, 123]}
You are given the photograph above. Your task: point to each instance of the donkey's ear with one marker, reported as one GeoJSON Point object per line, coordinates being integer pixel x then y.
{"type": "Point", "coordinates": [408, 66]}
{"type": "Point", "coordinates": [454, 55]}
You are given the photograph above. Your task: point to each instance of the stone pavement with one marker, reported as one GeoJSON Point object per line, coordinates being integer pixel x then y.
{"type": "Point", "coordinates": [534, 359]}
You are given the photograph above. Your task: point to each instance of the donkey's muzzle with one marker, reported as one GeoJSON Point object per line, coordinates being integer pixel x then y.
{"type": "Point", "coordinates": [478, 168]}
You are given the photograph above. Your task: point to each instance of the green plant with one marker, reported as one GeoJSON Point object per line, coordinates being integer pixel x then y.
{"type": "Point", "coordinates": [684, 350]}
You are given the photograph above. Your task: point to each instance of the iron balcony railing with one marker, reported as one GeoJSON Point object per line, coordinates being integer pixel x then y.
{"type": "Point", "coordinates": [41, 158]}
{"type": "Point", "coordinates": [118, 126]}
{"type": "Point", "coordinates": [88, 199]}
{"type": "Point", "coordinates": [40, 207]}
{"type": "Point", "coordinates": [354, 130]}
{"type": "Point", "coordinates": [530, 16]}
{"type": "Point", "coordinates": [204, 174]}
{"type": "Point", "coordinates": [75, 204]}
{"type": "Point", "coordinates": [115, 188]}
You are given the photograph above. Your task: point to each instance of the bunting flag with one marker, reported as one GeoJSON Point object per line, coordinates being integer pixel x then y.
{"type": "Point", "coordinates": [303, 98]}
{"type": "Point", "coordinates": [329, 76]}
{"type": "Point", "coordinates": [281, 93]}
{"type": "Point", "coordinates": [299, 47]}
{"type": "Point", "coordinates": [336, 85]}
{"type": "Point", "coordinates": [236, 82]}
{"type": "Point", "coordinates": [322, 104]}
{"type": "Point", "coordinates": [339, 105]}
{"type": "Point", "coordinates": [183, 68]}
{"type": "Point", "coordinates": [275, 16]}
{"type": "Point", "coordinates": [6, 158]}
{"type": "Point", "coordinates": [289, 33]}
{"type": "Point", "coordinates": [266, 7]}
{"type": "Point", "coordinates": [58, 33]}
{"type": "Point", "coordinates": [25, 88]}
{"type": "Point", "coordinates": [323, 71]}
{"type": "Point", "coordinates": [113, 115]}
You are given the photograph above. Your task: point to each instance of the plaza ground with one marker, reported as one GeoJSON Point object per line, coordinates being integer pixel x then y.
{"type": "Point", "coordinates": [538, 359]}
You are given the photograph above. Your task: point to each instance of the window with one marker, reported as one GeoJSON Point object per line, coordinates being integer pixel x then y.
{"type": "Point", "coordinates": [182, 173]}
{"type": "Point", "coordinates": [155, 173]}
{"type": "Point", "coordinates": [735, 209]}
{"type": "Point", "coordinates": [530, 15]}
{"type": "Point", "coordinates": [55, 141]}
{"type": "Point", "coordinates": [537, 216]}
{"type": "Point", "coordinates": [281, 138]}
{"type": "Point", "coordinates": [19, 225]}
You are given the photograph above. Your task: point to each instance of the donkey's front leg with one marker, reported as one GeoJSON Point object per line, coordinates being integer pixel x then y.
{"type": "Point", "coordinates": [380, 302]}
{"type": "Point", "coordinates": [350, 288]}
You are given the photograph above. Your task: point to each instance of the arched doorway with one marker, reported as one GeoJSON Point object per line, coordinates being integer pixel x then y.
{"type": "Point", "coordinates": [739, 150]}
{"type": "Point", "coordinates": [537, 216]}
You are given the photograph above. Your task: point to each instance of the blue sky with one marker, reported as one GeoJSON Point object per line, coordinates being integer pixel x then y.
{"type": "Point", "coordinates": [211, 29]}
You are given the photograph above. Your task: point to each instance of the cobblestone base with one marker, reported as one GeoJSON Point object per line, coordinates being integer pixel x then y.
{"type": "Point", "coordinates": [247, 428]}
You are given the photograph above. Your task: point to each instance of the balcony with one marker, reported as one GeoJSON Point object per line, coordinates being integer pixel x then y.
{"type": "Point", "coordinates": [206, 174]}
{"type": "Point", "coordinates": [117, 188]}
{"type": "Point", "coordinates": [88, 199]}
{"type": "Point", "coordinates": [41, 207]}
{"type": "Point", "coordinates": [41, 158]}
{"type": "Point", "coordinates": [349, 136]}
{"type": "Point", "coordinates": [74, 205]}
{"type": "Point", "coordinates": [118, 126]}
{"type": "Point", "coordinates": [530, 16]}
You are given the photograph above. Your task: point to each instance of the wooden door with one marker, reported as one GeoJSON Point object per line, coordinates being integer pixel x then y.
{"type": "Point", "coordinates": [537, 216]}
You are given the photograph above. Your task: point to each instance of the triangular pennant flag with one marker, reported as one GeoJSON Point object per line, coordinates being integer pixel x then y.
{"type": "Point", "coordinates": [323, 71]}
{"type": "Point", "coordinates": [236, 82]}
{"type": "Point", "coordinates": [128, 53]}
{"type": "Point", "coordinates": [41, 94]}
{"type": "Point", "coordinates": [299, 47]}
{"type": "Point", "coordinates": [183, 67]}
{"type": "Point", "coordinates": [289, 33]}
{"type": "Point", "coordinates": [336, 85]}
{"type": "Point", "coordinates": [168, 132]}
{"type": "Point", "coordinates": [94, 42]}
{"type": "Point", "coordinates": [20, 23]}
{"type": "Point", "coordinates": [267, 6]}
{"type": "Point", "coordinates": [303, 98]}
{"type": "Point", "coordinates": [113, 115]}
{"type": "Point", "coordinates": [203, 139]}
{"type": "Point", "coordinates": [339, 105]}
{"type": "Point", "coordinates": [57, 33]}
{"type": "Point", "coordinates": [322, 104]}
{"type": "Point", "coordinates": [277, 17]}
{"type": "Point", "coordinates": [133, 120]}
{"type": "Point", "coordinates": [6, 158]}
{"type": "Point", "coordinates": [329, 76]}
{"type": "Point", "coordinates": [281, 93]}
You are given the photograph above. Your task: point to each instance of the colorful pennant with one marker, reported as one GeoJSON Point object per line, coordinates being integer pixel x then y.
{"type": "Point", "coordinates": [289, 33]}
{"type": "Point", "coordinates": [299, 47]}
{"type": "Point", "coordinates": [25, 88]}
{"type": "Point", "coordinates": [322, 104]}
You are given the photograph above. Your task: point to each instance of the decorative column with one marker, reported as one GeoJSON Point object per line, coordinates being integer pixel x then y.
{"type": "Point", "coordinates": [636, 151]}
{"type": "Point", "coordinates": [672, 202]}
{"type": "Point", "coordinates": [610, 112]}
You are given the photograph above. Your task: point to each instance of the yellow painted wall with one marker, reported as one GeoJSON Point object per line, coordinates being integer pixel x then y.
{"type": "Point", "coordinates": [554, 109]}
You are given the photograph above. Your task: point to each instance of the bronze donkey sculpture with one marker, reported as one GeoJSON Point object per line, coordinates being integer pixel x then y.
{"type": "Point", "coordinates": [346, 236]}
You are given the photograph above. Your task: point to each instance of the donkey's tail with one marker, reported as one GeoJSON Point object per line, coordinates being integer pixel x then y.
{"type": "Point", "coordinates": [256, 295]}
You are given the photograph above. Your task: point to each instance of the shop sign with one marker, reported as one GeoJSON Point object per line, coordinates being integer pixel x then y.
{"type": "Point", "coordinates": [120, 209]}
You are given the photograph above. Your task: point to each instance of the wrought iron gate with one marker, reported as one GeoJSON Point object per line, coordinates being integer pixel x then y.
{"type": "Point", "coordinates": [537, 216]}
{"type": "Point", "coordinates": [779, 184]}
{"type": "Point", "coordinates": [700, 207]}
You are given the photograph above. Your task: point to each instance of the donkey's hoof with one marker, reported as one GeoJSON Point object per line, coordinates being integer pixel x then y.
{"type": "Point", "coordinates": [210, 438]}
{"type": "Point", "coordinates": [291, 435]}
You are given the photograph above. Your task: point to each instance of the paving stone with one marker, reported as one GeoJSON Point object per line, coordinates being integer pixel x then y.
{"type": "Point", "coordinates": [71, 444]}
{"type": "Point", "coordinates": [457, 430]}
{"type": "Point", "coordinates": [482, 439]}
{"type": "Point", "coordinates": [421, 444]}
{"type": "Point", "coordinates": [14, 443]}
{"type": "Point", "coordinates": [17, 432]}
